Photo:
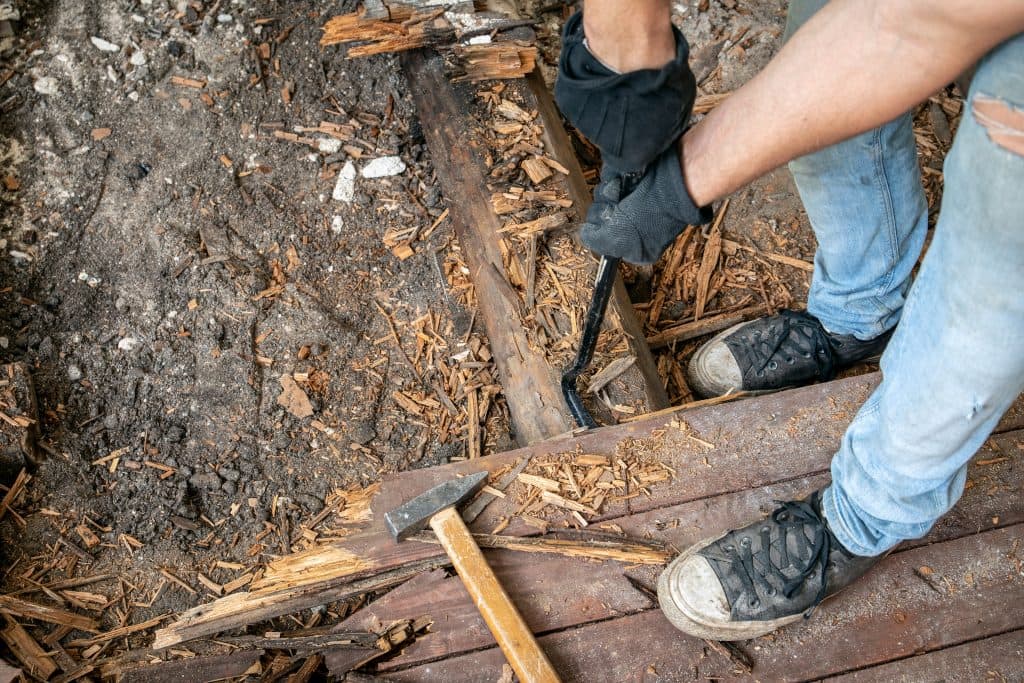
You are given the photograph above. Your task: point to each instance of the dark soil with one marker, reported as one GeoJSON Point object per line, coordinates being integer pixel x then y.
{"type": "Point", "coordinates": [160, 280]}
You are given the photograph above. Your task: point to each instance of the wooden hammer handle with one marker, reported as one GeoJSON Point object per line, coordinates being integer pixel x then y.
{"type": "Point", "coordinates": [513, 635]}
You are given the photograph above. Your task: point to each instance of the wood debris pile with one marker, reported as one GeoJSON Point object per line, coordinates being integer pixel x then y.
{"type": "Point", "coordinates": [69, 621]}
{"type": "Point", "coordinates": [456, 396]}
{"type": "Point", "coordinates": [550, 273]}
{"type": "Point", "coordinates": [575, 487]}
{"type": "Point", "coordinates": [396, 28]}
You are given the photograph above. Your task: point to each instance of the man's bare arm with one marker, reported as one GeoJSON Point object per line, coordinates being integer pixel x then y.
{"type": "Point", "coordinates": [855, 65]}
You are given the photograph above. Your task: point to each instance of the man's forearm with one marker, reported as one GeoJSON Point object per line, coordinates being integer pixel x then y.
{"type": "Point", "coordinates": [855, 65]}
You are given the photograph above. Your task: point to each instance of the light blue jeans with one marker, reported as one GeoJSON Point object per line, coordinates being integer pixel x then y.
{"type": "Point", "coordinates": [956, 361]}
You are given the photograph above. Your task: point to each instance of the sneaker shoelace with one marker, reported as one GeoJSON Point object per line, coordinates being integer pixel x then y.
{"type": "Point", "coordinates": [797, 334]}
{"type": "Point", "coordinates": [792, 518]}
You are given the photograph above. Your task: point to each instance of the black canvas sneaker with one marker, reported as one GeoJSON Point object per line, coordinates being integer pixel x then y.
{"type": "Point", "coordinates": [754, 580]}
{"type": "Point", "coordinates": [776, 352]}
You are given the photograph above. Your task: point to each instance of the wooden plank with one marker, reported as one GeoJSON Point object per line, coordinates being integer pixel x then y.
{"type": "Point", "coordinates": [196, 669]}
{"type": "Point", "coordinates": [759, 442]}
{"type": "Point", "coordinates": [999, 658]}
{"type": "Point", "coordinates": [557, 143]}
{"type": "Point", "coordinates": [888, 615]}
{"type": "Point", "coordinates": [559, 592]}
{"type": "Point", "coordinates": [550, 592]}
{"type": "Point", "coordinates": [531, 386]}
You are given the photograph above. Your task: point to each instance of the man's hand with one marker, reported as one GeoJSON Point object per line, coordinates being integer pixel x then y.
{"type": "Point", "coordinates": [637, 223]}
{"type": "Point", "coordinates": [631, 117]}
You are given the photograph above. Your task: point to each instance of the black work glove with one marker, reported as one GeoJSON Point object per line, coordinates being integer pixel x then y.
{"type": "Point", "coordinates": [631, 117]}
{"type": "Point", "coordinates": [637, 216]}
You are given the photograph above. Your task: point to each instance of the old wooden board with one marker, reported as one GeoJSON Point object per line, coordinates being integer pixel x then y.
{"type": "Point", "coordinates": [771, 441]}
{"type": "Point", "coordinates": [888, 615]}
{"type": "Point", "coordinates": [531, 386]}
{"type": "Point", "coordinates": [999, 658]}
{"type": "Point", "coordinates": [558, 592]}
{"type": "Point", "coordinates": [195, 670]}
{"type": "Point", "coordinates": [505, 266]}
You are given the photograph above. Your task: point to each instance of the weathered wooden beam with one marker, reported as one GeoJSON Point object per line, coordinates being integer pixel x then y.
{"type": "Point", "coordinates": [531, 386]}
{"type": "Point", "coordinates": [209, 668]}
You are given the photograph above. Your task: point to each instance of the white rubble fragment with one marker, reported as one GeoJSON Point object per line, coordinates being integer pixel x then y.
{"type": "Point", "coordinates": [74, 373]}
{"type": "Point", "coordinates": [328, 145]}
{"type": "Point", "coordinates": [104, 45]}
{"type": "Point", "coordinates": [383, 167]}
{"type": "Point", "coordinates": [337, 224]}
{"type": "Point", "coordinates": [480, 40]}
{"type": "Point", "coordinates": [47, 85]}
{"type": "Point", "coordinates": [18, 255]}
{"type": "Point", "coordinates": [90, 280]}
{"type": "Point", "coordinates": [138, 58]}
{"type": "Point", "coordinates": [129, 344]}
{"type": "Point", "coordinates": [224, 18]}
{"type": "Point", "coordinates": [345, 187]}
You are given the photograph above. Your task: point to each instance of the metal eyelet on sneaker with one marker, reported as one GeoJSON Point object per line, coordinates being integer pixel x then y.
{"type": "Point", "coordinates": [729, 548]}
{"type": "Point", "coordinates": [771, 592]}
{"type": "Point", "coordinates": [745, 542]}
{"type": "Point", "coordinates": [772, 365]}
{"type": "Point", "coordinates": [754, 602]}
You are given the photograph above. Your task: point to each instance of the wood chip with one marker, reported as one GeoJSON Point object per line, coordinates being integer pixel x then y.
{"type": "Point", "coordinates": [541, 483]}
{"type": "Point", "coordinates": [293, 399]}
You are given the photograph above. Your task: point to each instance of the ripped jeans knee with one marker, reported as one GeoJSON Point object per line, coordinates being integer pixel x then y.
{"type": "Point", "coordinates": [1002, 121]}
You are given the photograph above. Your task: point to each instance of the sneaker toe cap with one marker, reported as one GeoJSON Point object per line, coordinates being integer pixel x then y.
{"type": "Point", "coordinates": [714, 370]}
{"type": "Point", "coordinates": [691, 595]}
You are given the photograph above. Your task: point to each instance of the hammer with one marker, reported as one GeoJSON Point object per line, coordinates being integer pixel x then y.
{"type": "Point", "coordinates": [437, 507]}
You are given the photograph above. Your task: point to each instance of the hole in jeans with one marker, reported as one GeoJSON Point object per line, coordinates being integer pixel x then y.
{"type": "Point", "coordinates": [1003, 122]}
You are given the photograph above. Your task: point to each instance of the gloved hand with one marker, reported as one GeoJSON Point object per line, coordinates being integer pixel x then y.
{"type": "Point", "coordinates": [631, 117]}
{"type": "Point", "coordinates": [637, 216]}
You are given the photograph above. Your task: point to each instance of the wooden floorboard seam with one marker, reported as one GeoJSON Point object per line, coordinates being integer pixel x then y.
{"type": "Point", "coordinates": [924, 653]}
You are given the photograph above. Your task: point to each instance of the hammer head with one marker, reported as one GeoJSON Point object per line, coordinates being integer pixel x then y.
{"type": "Point", "coordinates": [412, 516]}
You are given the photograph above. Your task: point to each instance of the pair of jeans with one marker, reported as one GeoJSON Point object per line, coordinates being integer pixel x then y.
{"type": "Point", "coordinates": [956, 360]}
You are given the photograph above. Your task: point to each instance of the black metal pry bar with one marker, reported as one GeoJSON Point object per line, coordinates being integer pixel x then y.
{"type": "Point", "coordinates": [604, 283]}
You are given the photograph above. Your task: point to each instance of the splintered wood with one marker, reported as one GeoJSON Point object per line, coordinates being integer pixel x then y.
{"type": "Point", "coordinates": [403, 27]}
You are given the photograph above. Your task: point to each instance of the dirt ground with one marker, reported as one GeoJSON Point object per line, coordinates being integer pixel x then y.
{"type": "Point", "coordinates": [211, 332]}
